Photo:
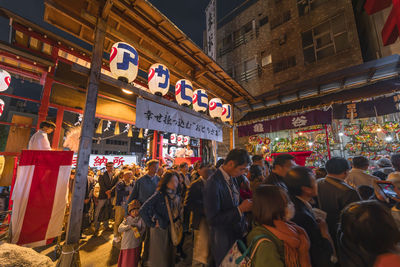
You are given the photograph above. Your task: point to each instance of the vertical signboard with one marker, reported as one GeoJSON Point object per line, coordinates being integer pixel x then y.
{"type": "Point", "coordinates": [211, 29]}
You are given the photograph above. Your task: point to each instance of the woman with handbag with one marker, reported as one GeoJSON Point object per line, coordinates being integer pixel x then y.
{"type": "Point", "coordinates": [163, 213]}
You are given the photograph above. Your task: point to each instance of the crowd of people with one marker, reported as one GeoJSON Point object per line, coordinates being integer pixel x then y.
{"type": "Point", "coordinates": [288, 215]}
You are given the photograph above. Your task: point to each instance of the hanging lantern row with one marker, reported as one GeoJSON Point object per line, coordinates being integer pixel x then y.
{"type": "Point", "coordinates": [124, 65]}
{"type": "Point", "coordinates": [179, 139]}
{"type": "Point", "coordinates": [5, 80]}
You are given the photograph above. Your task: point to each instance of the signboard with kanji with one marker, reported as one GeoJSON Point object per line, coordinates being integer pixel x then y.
{"type": "Point", "coordinates": [211, 24]}
{"type": "Point", "coordinates": [100, 161]}
{"type": "Point", "coordinates": [153, 116]}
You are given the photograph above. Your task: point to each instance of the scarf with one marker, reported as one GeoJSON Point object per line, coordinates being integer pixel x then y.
{"type": "Point", "coordinates": [174, 202]}
{"type": "Point", "coordinates": [295, 241]}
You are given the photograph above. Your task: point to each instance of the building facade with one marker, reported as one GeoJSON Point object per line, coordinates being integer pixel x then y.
{"type": "Point", "coordinates": [269, 44]}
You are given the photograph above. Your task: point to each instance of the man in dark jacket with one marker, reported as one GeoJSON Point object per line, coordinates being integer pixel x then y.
{"type": "Point", "coordinates": [143, 189]}
{"type": "Point", "coordinates": [107, 184]}
{"type": "Point", "coordinates": [302, 188]}
{"type": "Point", "coordinates": [221, 203]}
{"type": "Point", "coordinates": [334, 194]}
{"type": "Point", "coordinates": [281, 166]}
{"type": "Point", "coordinates": [194, 203]}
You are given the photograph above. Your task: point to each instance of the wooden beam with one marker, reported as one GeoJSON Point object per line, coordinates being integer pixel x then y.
{"type": "Point", "coordinates": [106, 9]}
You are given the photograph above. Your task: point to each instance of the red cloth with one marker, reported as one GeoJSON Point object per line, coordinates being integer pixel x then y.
{"type": "Point", "coordinates": [388, 259]}
{"type": "Point", "coordinates": [129, 257]}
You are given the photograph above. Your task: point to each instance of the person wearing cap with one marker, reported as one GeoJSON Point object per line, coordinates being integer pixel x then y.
{"type": "Point", "coordinates": [132, 228]}
{"type": "Point", "coordinates": [384, 168]}
{"type": "Point", "coordinates": [40, 140]}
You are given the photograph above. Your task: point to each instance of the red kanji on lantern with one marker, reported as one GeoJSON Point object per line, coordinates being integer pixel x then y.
{"type": "Point", "coordinates": [390, 31]}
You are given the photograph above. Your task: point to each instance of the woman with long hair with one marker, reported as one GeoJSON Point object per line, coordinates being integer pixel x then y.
{"type": "Point", "coordinates": [154, 212]}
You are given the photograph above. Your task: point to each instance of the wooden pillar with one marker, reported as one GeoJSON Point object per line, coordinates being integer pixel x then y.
{"type": "Point", "coordinates": [327, 142]}
{"type": "Point", "coordinates": [85, 144]}
{"type": "Point", "coordinates": [48, 83]}
{"type": "Point", "coordinates": [160, 149]}
{"type": "Point", "coordinates": [232, 137]}
{"type": "Point", "coordinates": [57, 131]}
{"type": "Point", "coordinates": [154, 146]}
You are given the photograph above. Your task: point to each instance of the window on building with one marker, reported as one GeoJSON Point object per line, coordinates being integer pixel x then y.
{"type": "Point", "coordinates": [284, 64]}
{"type": "Point", "coordinates": [266, 59]}
{"type": "Point", "coordinates": [326, 39]}
{"type": "Point", "coordinates": [249, 70]}
{"type": "Point", "coordinates": [280, 19]}
{"type": "Point", "coordinates": [263, 21]}
{"type": "Point", "coordinates": [306, 6]}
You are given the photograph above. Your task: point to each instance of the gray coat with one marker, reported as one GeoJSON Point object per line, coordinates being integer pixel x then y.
{"type": "Point", "coordinates": [128, 238]}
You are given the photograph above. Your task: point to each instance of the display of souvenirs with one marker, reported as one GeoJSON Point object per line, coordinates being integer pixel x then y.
{"type": "Point", "coordinates": [300, 144]}
{"type": "Point", "coordinates": [353, 148]}
{"type": "Point", "coordinates": [282, 146]}
{"type": "Point", "coordinates": [351, 130]}
{"type": "Point", "coordinates": [363, 138]}
{"type": "Point", "coordinates": [393, 147]}
{"type": "Point", "coordinates": [372, 128]}
{"type": "Point", "coordinates": [391, 126]}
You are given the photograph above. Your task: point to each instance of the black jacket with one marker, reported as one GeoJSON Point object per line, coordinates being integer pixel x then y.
{"type": "Point", "coordinates": [106, 183]}
{"type": "Point", "coordinates": [321, 249]}
{"type": "Point", "coordinates": [333, 196]}
{"type": "Point", "coordinates": [226, 223]}
{"type": "Point", "coordinates": [275, 179]}
{"type": "Point", "coordinates": [194, 201]}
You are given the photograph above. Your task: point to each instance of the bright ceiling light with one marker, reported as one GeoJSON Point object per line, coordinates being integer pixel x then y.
{"type": "Point", "coordinates": [126, 91]}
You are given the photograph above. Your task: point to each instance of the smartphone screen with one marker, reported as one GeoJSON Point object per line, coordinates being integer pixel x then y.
{"type": "Point", "coordinates": [388, 190]}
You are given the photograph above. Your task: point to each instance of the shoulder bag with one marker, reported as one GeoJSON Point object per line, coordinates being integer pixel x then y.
{"type": "Point", "coordinates": [176, 226]}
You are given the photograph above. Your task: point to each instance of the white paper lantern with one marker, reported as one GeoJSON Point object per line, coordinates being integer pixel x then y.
{"type": "Point", "coordinates": [186, 140]}
{"type": "Point", "coordinates": [158, 79]}
{"type": "Point", "coordinates": [172, 138]}
{"type": "Point", "coordinates": [200, 100]}
{"type": "Point", "coordinates": [5, 79]}
{"type": "Point", "coordinates": [2, 106]}
{"type": "Point", "coordinates": [184, 92]}
{"type": "Point", "coordinates": [215, 108]}
{"type": "Point", "coordinates": [124, 62]}
{"type": "Point", "coordinates": [226, 113]}
{"type": "Point", "coordinates": [180, 140]}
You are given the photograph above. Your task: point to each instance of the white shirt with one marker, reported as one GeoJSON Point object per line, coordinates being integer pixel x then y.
{"type": "Point", "coordinates": [39, 141]}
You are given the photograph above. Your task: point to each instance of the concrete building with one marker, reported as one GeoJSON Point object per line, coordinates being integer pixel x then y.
{"type": "Point", "coordinates": [269, 44]}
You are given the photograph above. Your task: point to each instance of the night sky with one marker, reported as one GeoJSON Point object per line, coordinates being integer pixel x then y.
{"type": "Point", "coordinates": [189, 15]}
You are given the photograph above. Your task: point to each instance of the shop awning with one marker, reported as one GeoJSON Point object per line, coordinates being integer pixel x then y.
{"type": "Point", "coordinates": [371, 79]}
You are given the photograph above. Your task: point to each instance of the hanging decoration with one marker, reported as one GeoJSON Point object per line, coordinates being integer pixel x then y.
{"type": "Point", "coordinates": [2, 106]}
{"type": "Point", "coordinates": [5, 80]}
{"type": "Point", "coordinates": [200, 100]}
{"type": "Point", "coordinates": [140, 136]}
{"type": "Point", "coordinates": [158, 79]}
{"type": "Point", "coordinates": [130, 133]}
{"type": "Point", "coordinates": [99, 129]}
{"type": "Point", "coordinates": [215, 108]}
{"type": "Point", "coordinates": [186, 140]}
{"type": "Point", "coordinates": [116, 130]}
{"type": "Point", "coordinates": [108, 126]}
{"type": "Point", "coordinates": [184, 92]}
{"type": "Point", "coordinates": [79, 121]}
{"type": "Point", "coordinates": [179, 140]}
{"type": "Point", "coordinates": [226, 115]}
{"type": "Point", "coordinates": [124, 62]}
{"type": "Point", "coordinates": [172, 138]}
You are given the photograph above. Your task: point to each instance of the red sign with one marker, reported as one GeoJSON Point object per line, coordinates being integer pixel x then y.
{"type": "Point", "coordinates": [390, 31]}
